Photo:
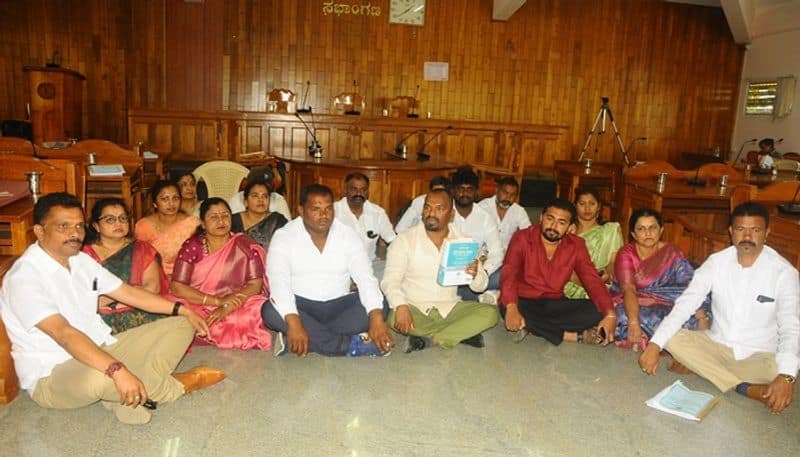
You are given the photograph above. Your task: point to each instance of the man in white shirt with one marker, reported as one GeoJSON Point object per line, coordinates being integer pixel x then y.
{"type": "Point", "coordinates": [413, 214]}
{"type": "Point", "coordinates": [421, 308]}
{"type": "Point", "coordinates": [276, 201]}
{"type": "Point", "coordinates": [310, 264]}
{"type": "Point", "coordinates": [367, 219]}
{"type": "Point", "coordinates": [476, 223]}
{"type": "Point", "coordinates": [508, 215]}
{"type": "Point", "coordinates": [752, 345]}
{"type": "Point", "coordinates": [64, 353]}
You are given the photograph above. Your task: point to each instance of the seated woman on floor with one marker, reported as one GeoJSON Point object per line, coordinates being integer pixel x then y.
{"type": "Point", "coordinates": [221, 276]}
{"type": "Point", "coordinates": [603, 239]}
{"type": "Point", "coordinates": [109, 242]}
{"type": "Point", "coordinates": [649, 275]}
{"type": "Point", "coordinates": [187, 186]}
{"type": "Point", "coordinates": [256, 220]}
{"type": "Point", "coordinates": [167, 227]}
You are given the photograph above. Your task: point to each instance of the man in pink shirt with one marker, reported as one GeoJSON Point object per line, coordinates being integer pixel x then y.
{"type": "Point", "coordinates": [539, 261]}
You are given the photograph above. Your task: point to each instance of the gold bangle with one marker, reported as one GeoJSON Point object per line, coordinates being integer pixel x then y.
{"type": "Point", "coordinates": [613, 316]}
{"type": "Point", "coordinates": [205, 297]}
{"type": "Point", "coordinates": [633, 322]}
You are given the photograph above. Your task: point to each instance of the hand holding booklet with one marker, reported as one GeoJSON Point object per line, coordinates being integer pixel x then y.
{"type": "Point", "coordinates": [683, 402]}
{"type": "Point", "coordinates": [456, 255]}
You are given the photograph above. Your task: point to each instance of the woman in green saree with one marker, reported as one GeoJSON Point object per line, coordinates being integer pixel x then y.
{"type": "Point", "coordinates": [603, 239]}
{"type": "Point", "coordinates": [109, 242]}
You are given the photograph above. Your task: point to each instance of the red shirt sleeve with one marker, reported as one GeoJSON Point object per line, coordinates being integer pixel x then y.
{"type": "Point", "coordinates": [591, 281]}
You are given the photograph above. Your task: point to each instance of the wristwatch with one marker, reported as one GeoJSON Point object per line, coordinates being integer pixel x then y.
{"type": "Point", "coordinates": [788, 378]}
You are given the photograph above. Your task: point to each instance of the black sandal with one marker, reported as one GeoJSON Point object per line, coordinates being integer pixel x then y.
{"type": "Point", "coordinates": [594, 336]}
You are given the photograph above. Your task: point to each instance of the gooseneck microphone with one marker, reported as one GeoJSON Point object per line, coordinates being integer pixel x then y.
{"type": "Point", "coordinates": [793, 207]}
{"type": "Point", "coordinates": [741, 148]}
{"type": "Point", "coordinates": [422, 156]}
{"type": "Point", "coordinates": [400, 149]}
{"type": "Point", "coordinates": [314, 149]}
{"type": "Point", "coordinates": [305, 108]}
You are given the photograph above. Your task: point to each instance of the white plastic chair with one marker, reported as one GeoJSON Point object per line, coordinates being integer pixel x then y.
{"type": "Point", "coordinates": [222, 177]}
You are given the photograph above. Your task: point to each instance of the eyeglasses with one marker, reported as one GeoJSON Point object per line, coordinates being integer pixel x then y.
{"type": "Point", "coordinates": [111, 220]}
{"type": "Point", "coordinates": [66, 227]}
{"type": "Point", "coordinates": [214, 217]}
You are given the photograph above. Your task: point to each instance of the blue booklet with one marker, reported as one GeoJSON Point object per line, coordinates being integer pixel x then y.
{"type": "Point", "coordinates": [683, 402]}
{"type": "Point", "coordinates": [456, 255]}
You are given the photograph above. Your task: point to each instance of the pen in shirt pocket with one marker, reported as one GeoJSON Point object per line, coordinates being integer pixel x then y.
{"type": "Point", "coordinates": [94, 285]}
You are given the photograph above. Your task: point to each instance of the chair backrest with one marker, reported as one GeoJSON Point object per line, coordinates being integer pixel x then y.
{"type": "Point", "coordinates": [752, 158]}
{"type": "Point", "coordinates": [14, 145]}
{"type": "Point", "coordinates": [651, 169]}
{"type": "Point", "coordinates": [791, 155]}
{"type": "Point", "coordinates": [770, 196]}
{"type": "Point", "coordinates": [713, 171]}
{"type": "Point", "coordinates": [284, 100]}
{"type": "Point", "coordinates": [222, 177]}
{"type": "Point", "coordinates": [787, 164]}
{"type": "Point", "coordinates": [635, 198]}
{"type": "Point", "coordinates": [58, 175]}
{"type": "Point", "coordinates": [403, 105]}
{"type": "Point", "coordinates": [348, 103]}
{"type": "Point", "coordinates": [696, 242]}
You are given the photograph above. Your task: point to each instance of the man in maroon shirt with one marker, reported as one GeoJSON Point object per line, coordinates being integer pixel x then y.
{"type": "Point", "coordinates": [538, 263]}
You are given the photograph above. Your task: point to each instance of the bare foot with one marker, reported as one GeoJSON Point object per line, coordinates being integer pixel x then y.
{"type": "Point", "coordinates": [757, 392]}
{"type": "Point", "coordinates": [677, 367]}
{"type": "Point", "coordinates": [570, 337]}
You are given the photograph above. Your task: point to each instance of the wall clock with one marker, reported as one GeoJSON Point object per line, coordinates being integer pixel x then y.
{"type": "Point", "coordinates": [410, 12]}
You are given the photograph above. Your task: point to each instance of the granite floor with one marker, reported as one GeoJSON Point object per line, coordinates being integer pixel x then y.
{"type": "Point", "coordinates": [530, 399]}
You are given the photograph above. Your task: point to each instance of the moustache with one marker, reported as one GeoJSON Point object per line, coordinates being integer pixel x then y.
{"type": "Point", "coordinates": [73, 240]}
{"type": "Point", "coordinates": [358, 197]}
{"type": "Point", "coordinates": [504, 204]}
{"type": "Point", "coordinates": [748, 243]}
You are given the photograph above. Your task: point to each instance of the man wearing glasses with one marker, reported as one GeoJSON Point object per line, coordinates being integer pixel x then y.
{"type": "Point", "coordinates": [752, 345]}
{"type": "Point", "coordinates": [64, 353]}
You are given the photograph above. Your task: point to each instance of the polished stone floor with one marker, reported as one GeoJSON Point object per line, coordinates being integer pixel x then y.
{"type": "Point", "coordinates": [530, 399]}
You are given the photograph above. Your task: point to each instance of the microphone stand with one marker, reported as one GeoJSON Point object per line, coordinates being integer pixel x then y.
{"type": "Point", "coordinates": [696, 181]}
{"type": "Point", "coordinates": [315, 149]}
{"type": "Point", "coordinates": [792, 207]}
{"type": "Point", "coordinates": [741, 148]}
{"type": "Point", "coordinates": [412, 113]}
{"type": "Point", "coordinates": [305, 108]}
{"type": "Point", "coordinates": [422, 156]}
{"type": "Point", "coordinates": [400, 149]}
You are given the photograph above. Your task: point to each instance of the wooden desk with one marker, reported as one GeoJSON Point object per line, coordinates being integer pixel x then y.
{"type": "Point", "coordinates": [784, 233]}
{"type": "Point", "coordinates": [708, 206]}
{"type": "Point", "coordinates": [16, 227]}
{"type": "Point", "coordinates": [760, 180]}
{"type": "Point", "coordinates": [393, 183]}
{"type": "Point", "coordinates": [605, 177]}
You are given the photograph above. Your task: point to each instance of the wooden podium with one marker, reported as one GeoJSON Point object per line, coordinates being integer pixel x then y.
{"type": "Point", "coordinates": [56, 103]}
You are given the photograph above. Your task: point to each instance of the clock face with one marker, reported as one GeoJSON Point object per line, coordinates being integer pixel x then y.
{"type": "Point", "coordinates": [411, 12]}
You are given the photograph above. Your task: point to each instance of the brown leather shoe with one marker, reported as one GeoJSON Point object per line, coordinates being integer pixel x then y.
{"type": "Point", "coordinates": [199, 378]}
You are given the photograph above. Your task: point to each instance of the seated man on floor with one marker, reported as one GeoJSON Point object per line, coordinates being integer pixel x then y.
{"type": "Point", "coordinates": [421, 308]}
{"type": "Point", "coordinates": [752, 345]}
{"type": "Point", "coordinates": [277, 204]}
{"type": "Point", "coordinates": [367, 219]}
{"type": "Point", "coordinates": [413, 214]}
{"type": "Point", "coordinates": [539, 262]}
{"type": "Point", "coordinates": [474, 222]}
{"type": "Point", "coordinates": [310, 263]}
{"type": "Point", "coordinates": [64, 353]}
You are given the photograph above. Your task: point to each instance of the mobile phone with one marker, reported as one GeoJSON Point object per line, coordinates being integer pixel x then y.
{"type": "Point", "coordinates": [150, 404]}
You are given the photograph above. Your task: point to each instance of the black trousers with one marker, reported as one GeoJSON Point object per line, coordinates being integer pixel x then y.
{"type": "Point", "coordinates": [329, 324]}
{"type": "Point", "coordinates": [550, 318]}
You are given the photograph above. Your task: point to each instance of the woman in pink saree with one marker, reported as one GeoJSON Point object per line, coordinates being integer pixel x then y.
{"type": "Point", "coordinates": [221, 276]}
{"type": "Point", "coordinates": [649, 276]}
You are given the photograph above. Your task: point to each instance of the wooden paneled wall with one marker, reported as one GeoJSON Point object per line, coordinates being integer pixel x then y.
{"type": "Point", "coordinates": [670, 70]}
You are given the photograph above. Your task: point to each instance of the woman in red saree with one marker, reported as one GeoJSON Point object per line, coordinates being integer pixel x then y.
{"type": "Point", "coordinates": [221, 276]}
{"type": "Point", "coordinates": [110, 244]}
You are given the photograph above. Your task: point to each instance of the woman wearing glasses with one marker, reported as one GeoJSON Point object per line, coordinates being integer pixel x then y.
{"type": "Point", "coordinates": [109, 242]}
{"type": "Point", "coordinates": [167, 227]}
{"type": "Point", "coordinates": [221, 276]}
{"type": "Point", "coordinates": [649, 275]}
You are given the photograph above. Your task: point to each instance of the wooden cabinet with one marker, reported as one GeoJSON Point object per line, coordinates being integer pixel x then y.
{"type": "Point", "coordinates": [56, 96]}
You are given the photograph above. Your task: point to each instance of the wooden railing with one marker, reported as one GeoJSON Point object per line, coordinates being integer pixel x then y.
{"type": "Point", "coordinates": [495, 147]}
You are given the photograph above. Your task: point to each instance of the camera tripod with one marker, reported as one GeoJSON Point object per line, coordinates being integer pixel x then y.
{"type": "Point", "coordinates": [605, 112]}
